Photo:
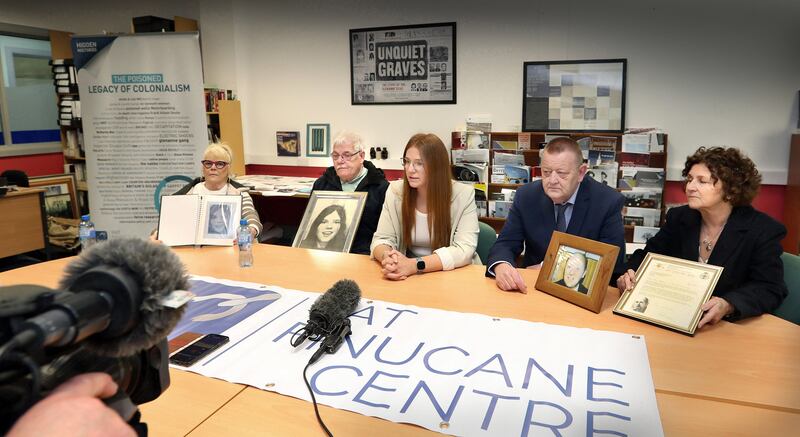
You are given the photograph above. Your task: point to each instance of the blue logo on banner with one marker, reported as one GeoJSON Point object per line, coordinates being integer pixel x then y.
{"type": "Point", "coordinates": [217, 307]}
{"type": "Point", "coordinates": [84, 48]}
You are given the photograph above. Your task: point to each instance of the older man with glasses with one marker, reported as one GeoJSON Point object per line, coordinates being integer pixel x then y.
{"type": "Point", "coordinates": [351, 172]}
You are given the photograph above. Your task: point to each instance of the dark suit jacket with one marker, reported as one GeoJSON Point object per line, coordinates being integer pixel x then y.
{"type": "Point", "coordinates": [749, 249]}
{"type": "Point", "coordinates": [582, 288]}
{"type": "Point", "coordinates": [597, 215]}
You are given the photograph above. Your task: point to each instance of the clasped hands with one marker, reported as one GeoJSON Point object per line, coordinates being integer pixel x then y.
{"type": "Point", "coordinates": [396, 266]}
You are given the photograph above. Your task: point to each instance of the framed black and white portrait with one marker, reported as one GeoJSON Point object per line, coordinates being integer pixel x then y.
{"type": "Point", "coordinates": [330, 221]}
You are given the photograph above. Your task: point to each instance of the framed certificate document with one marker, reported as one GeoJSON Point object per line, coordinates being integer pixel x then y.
{"type": "Point", "coordinates": [669, 292]}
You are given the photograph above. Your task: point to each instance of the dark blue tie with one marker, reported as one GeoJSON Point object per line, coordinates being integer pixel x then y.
{"type": "Point", "coordinates": [561, 220]}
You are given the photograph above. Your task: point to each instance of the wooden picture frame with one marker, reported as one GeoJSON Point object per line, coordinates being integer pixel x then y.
{"type": "Point", "coordinates": [318, 140]}
{"type": "Point", "coordinates": [577, 270]}
{"type": "Point", "coordinates": [574, 96]}
{"type": "Point", "coordinates": [60, 197]}
{"type": "Point", "coordinates": [343, 209]}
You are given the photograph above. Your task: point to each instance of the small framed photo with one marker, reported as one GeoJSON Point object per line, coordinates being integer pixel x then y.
{"type": "Point", "coordinates": [60, 196]}
{"type": "Point", "coordinates": [330, 221]}
{"type": "Point", "coordinates": [318, 140]}
{"type": "Point", "coordinates": [288, 143]}
{"type": "Point", "coordinates": [577, 270]}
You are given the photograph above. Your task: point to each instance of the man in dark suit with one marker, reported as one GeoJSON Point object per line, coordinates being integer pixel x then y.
{"type": "Point", "coordinates": [564, 199]}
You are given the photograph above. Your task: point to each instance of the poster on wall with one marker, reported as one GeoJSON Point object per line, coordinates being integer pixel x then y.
{"type": "Point", "coordinates": [403, 64]}
{"type": "Point", "coordinates": [574, 96]}
{"type": "Point", "coordinates": [143, 120]}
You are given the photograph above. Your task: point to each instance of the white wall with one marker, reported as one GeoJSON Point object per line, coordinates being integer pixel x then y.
{"type": "Point", "coordinates": [710, 72]}
{"type": "Point", "coordinates": [724, 72]}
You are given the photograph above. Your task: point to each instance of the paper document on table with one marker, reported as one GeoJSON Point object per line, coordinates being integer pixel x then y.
{"type": "Point", "coordinates": [454, 373]}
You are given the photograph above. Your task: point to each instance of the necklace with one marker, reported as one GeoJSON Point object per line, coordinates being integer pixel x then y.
{"type": "Point", "coordinates": [709, 242]}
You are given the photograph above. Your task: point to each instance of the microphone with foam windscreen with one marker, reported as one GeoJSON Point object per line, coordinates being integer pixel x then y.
{"type": "Point", "coordinates": [328, 317]}
{"type": "Point", "coordinates": [117, 299]}
{"type": "Point", "coordinates": [115, 306]}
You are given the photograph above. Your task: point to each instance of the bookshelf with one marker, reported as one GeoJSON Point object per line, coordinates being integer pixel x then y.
{"type": "Point", "coordinates": [68, 102]}
{"type": "Point", "coordinates": [226, 124]}
{"type": "Point", "coordinates": [654, 160]}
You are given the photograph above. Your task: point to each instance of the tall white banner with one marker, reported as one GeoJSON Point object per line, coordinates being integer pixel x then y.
{"type": "Point", "coordinates": [456, 373]}
{"type": "Point", "coordinates": [143, 119]}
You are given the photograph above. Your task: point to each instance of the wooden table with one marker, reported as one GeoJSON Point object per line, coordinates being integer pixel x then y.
{"type": "Point", "coordinates": [22, 222]}
{"type": "Point", "coordinates": [728, 380]}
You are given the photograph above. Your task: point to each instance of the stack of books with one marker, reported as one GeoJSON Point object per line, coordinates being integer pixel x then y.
{"type": "Point", "coordinates": [214, 95]}
{"type": "Point", "coordinates": [65, 79]}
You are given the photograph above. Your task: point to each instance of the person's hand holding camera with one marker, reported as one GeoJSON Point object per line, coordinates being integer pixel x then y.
{"type": "Point", "coordinates": [74, 408]}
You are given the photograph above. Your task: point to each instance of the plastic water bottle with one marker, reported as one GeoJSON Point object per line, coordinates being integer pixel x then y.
{"type": "Point", "coordinates": [245, 245]}
{"type": "Point", "coordinates": [86, 232]}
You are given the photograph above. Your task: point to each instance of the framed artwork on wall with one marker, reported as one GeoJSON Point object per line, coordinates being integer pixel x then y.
{"type": "Point", "coordinates": [574, 96]}
{"type": "Point", "coordinates": [413, 64]}
{"type": "Point", "coordinates": [318, 140]}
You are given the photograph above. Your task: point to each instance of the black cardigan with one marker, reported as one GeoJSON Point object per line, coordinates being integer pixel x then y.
{"type": "Point", "coordinates": [749, 249]}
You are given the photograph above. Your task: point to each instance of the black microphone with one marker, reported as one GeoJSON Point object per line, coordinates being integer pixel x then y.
{"type": "Point", "coordinates": [115, 300]}
{"type": "Point", "coordinates": [330, 311]}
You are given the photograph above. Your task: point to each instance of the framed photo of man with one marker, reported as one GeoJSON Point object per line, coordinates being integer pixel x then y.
{"type": "Point", "coordinates": [577, 270]}
{"type": "Point", "coordinates": [669, 292]}
{"type": "Point", "coordinates": [330, 221]}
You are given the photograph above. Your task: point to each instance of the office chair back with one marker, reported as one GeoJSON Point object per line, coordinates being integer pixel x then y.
{"type": "Point", "coordinates": [790, 308]}
{"type": "Point", "coordinates": [486, 239]}
{"type": "Point", "coordinates": [165, 183]}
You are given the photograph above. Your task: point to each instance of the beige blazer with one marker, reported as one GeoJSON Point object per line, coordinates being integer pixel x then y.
{"type": "Point", "coordinates": [463, 216]}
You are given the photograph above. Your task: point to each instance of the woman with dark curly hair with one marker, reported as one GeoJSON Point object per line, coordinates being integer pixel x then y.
{"type": "Point", "coordinates": [719, 227]}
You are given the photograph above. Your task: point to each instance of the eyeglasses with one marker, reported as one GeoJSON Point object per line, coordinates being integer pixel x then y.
{"type": "Point", "coordinates": [346, 155]}
{"type": "Point", "coordinates": [218, 164]}
{"type": "Point", "coordinates": [418, 164]}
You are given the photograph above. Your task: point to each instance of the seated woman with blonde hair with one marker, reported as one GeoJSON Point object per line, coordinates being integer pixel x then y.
{"type": "Point", "coordinates": [428, 222]}
{"type": "Point", "coordinates": [719, 227]}
{"type": "Point", "coordinates": [216, 179]}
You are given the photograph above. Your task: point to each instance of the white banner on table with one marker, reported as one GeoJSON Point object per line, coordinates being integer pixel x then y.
{"type": "Point", "coordinates": [143, 120]}
{"type": "Point", "coordinates": [456, 373]}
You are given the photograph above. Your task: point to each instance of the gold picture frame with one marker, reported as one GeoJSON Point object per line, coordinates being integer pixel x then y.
{"type": "Point", "coordinates": [669, 292]}
{"type": "Point", "coordinates": [577, 270]}
{"type": "Point", "coordinates": [60, 196]}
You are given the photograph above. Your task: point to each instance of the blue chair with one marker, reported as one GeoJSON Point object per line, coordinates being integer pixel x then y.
{"type": "Point", "coordinates": [486, 239]}
{"type": "Point", "coordinates": [163, 184]}
{"type": "Point", "coordinates": [790, 308]}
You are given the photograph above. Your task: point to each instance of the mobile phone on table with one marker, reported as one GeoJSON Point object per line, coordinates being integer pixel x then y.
{"type": "Point", "coordinates": [198, 349]}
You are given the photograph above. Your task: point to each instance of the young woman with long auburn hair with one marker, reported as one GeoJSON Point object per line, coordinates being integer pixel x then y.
{"type": "Point", "coordinates": [429, 222]}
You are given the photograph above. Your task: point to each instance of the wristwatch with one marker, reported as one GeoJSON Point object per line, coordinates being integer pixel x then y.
{"type": "Point", "coordinates": [420, 265]}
